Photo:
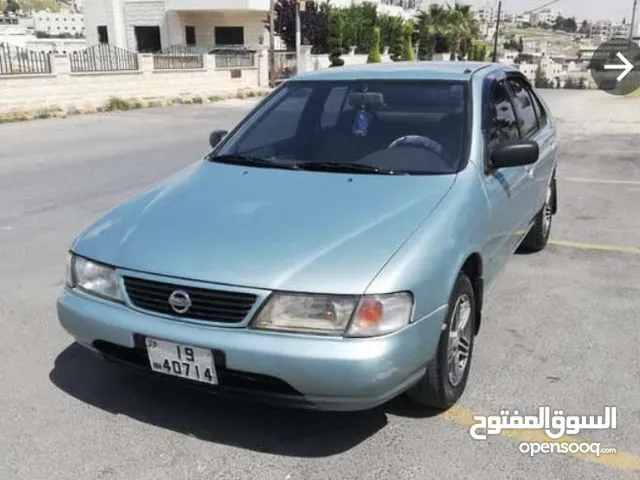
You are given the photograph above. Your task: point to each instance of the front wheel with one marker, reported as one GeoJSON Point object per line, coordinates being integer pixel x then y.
{"type": "Point", "coordinates": [446, 375]}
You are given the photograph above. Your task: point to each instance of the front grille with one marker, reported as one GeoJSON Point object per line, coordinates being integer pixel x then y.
{"type": "Point", "coordinates": [208, 305]}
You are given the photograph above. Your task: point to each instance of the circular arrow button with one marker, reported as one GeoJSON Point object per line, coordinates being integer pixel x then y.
{"type": "Point", "coordinates": [615, 66]}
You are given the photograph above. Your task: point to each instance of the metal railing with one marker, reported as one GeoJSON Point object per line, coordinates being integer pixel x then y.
{"type": "Point", "coordinates": [20, 61]}
{"type": "Point", "coordinates": [177, 61]}
{"type": "Point", "coordinates": [103, 58]}
{"type": "Point", "coordinates": [228, 58]}
{"type": "Point", "coordinates": [285, 64]}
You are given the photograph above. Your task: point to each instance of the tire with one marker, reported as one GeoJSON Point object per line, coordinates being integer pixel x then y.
{"type": "Point", "coordinates": [443, 384]}
{"type": "Point", "coordinates": [538, 236]}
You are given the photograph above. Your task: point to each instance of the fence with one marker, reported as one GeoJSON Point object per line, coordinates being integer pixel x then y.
{"type": "Point", "coordinates": [103, 58]}
{"type": "Point", "coordinates": [16, 61]}
{"type": "Point", "coordinates": [234, 58]}
{"type": "Point", "coordinates": [285, 64]}
{"type": "Point", "coordinates": [177, 60]}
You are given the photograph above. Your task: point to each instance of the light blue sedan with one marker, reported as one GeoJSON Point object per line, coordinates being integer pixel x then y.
{"type": "Point", "coordinates": [334, 249]}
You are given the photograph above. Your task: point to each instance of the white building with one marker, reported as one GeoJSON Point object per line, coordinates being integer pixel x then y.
{"type": "Point", "coordinates": [609, 29]}
{"type": "Point", "coordinates": [151, 25]}
{"type": "Point", "coordinates": [546, 15]}
{"type": "Point", "coordinates": [58, 23]}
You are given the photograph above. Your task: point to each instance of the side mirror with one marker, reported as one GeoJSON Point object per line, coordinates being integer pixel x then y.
{"type": "Point", "coordinates": [515, 153]}
{"type": "Point", "coordinates": [216, 136]}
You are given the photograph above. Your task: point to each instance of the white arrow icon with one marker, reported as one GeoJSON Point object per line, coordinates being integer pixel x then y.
{"type": "Point", "coordinates": [627, 67]}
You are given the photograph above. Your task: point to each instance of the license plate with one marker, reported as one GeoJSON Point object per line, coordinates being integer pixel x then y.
{"type": "Point", "coordinates": [183, 361]}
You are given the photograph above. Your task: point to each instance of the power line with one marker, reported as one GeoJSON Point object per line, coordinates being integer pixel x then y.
{"type": "Point", "coordinates": [542, 6]}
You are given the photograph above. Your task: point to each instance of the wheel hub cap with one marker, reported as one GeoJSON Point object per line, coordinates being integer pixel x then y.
{"type": "Point", "coordinates": [459, 344]}
{"type": "Point", "coordinates": [546, 212]}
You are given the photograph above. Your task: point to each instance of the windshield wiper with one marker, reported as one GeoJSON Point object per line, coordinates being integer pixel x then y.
{"type": "Point", "coordinates": [340, 167]}
{"type": "Point", "coordinates": [249, 161]}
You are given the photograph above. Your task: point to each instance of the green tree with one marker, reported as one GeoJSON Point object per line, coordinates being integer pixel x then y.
{"type": "Point", "coordinates": [391, 34]}
{"type": "Point", "coordinates": [374, 51]}
{"type": "Point", "coordinates": [463, 25]}
{"type": "Point", "coordinates": [479, 52]}
{"type": "Point", "coordinates": [313, 24]}
{"type": "Point", "coordinates": [11, 6]}
{"type": "Point", "coordinates": [541, 80]}
{"type": "Point", "coordinates": [36, 5]}
{"type": "Point", "coordinates": [359, 20]}
{"type": "Point", "coordinates": [334, 39]}
{"type": "Point", "coordinates": [407, 50]}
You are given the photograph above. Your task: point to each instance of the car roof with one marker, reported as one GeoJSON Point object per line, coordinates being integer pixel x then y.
{"type": "Point", "coordinates": [415, 70]}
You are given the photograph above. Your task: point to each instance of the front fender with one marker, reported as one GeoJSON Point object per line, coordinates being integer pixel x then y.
{"type": "Point", "coordinates": [429, 262]}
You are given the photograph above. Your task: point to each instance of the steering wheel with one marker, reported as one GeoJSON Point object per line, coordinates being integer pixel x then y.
{"type": "Point", "coordinates": [418, 141]}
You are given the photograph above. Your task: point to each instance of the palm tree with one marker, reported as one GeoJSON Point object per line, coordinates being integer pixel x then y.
{"type": "Point", "coordinates": [432, 24]}
{"type": "Point", "coordinates": [463, 26]}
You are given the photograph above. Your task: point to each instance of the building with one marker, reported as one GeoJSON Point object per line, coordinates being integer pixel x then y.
{"type": "Point", "coordinates": [609, 29]}
{"type": "Point", "coordinates": [151, 25]}
{"type": "Point", "coordinates": [55, 24]}
{"type": "Point", "coordinates": [546, 15]}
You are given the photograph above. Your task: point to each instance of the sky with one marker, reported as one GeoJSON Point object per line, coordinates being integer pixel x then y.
{"type": "Point", "coordinates": [591, 9]}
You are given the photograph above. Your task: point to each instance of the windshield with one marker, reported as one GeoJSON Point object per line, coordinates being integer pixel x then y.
{"type": "Point", "coordinates": [394, 126]}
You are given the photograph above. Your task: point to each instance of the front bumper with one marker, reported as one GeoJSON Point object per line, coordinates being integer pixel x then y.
{"type": "Point", "coordinates": [327, 373]}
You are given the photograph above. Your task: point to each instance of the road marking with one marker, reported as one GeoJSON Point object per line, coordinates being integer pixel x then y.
{"type": "Point", "coordinates": [620, 461]}
{"type": "Point", "coordinates": [595, 246]}
{"type": "Point", "coordinates": [595, 180]}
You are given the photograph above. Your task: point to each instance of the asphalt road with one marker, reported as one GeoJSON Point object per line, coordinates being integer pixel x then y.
{"type": "Point", "coordinates": [561, 327]}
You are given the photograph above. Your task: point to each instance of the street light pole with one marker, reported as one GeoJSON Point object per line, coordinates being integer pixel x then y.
{"type": "Point", "coordinates": [495, 43]}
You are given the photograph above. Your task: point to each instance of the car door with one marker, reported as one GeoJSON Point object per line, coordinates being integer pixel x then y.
{"type": "Point", "coordinates": [504, 187]}
{"type": "Point", "coordinates": [534, 125]}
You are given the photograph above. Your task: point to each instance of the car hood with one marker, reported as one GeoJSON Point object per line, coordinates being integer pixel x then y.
{"type": "Point", "coordinates": [265, 228]}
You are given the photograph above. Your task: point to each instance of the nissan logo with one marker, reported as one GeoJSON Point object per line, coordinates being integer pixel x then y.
{"type": "Point", "coordinates": [180, 301]}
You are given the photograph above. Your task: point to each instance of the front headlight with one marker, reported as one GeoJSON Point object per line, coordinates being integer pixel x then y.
{"type": "Point", "coordinates": [336, 314]}
{"type": "Point", "coordinates": [93, 278]}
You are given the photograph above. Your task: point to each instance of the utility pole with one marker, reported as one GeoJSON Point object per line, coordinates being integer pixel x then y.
{"type": "Point", "coordinates": [495, 43]}
{"type": "Point", "coordinates": [299, 5]}
{"type": "Point", "coordinates": [272, 44]}
{"type": "Point", "coordinates": [633, 20]}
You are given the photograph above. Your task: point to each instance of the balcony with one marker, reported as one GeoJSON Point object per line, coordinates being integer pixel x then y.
{"type": "Point", "coordinates": [218, 5]}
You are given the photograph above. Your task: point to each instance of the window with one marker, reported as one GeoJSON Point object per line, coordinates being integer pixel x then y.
{"type": "Point", "coordinates": [190, 35]}
{"type": "Point", "coordinates": [524, 106]}
{"type": "Point", "coordinates": [415, 127]}
{"type": "Point", "coordinates": [147, 39]}
{"type": "Point", "coordinates": [229, 35]}
{"type": "Point", "coordinates": [504, 125]}
{"type": "Point", "coordinates": [103, 36]}
{"type": "Point", "coordinates": [279, 123]}
{"type": "Point", "coordinates": [332, 107]}
{"type": "Point", "coordinates": [537, 106]}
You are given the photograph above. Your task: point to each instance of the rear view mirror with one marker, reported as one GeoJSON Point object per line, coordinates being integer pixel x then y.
{"type": "Point", "coordinates": [515, 153]}
{"type": "Point", "coordinates": [216, 136]}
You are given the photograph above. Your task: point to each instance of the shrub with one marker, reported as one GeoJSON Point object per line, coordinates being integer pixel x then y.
{"type": "Point", "coordinates": [407, 48]}
{"type": "Point", "coordinates": [336, 27]}
{"type": "Point", "coordinates": [116, 104]}
{"type": "Point", "coordinates": [374, 52]}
